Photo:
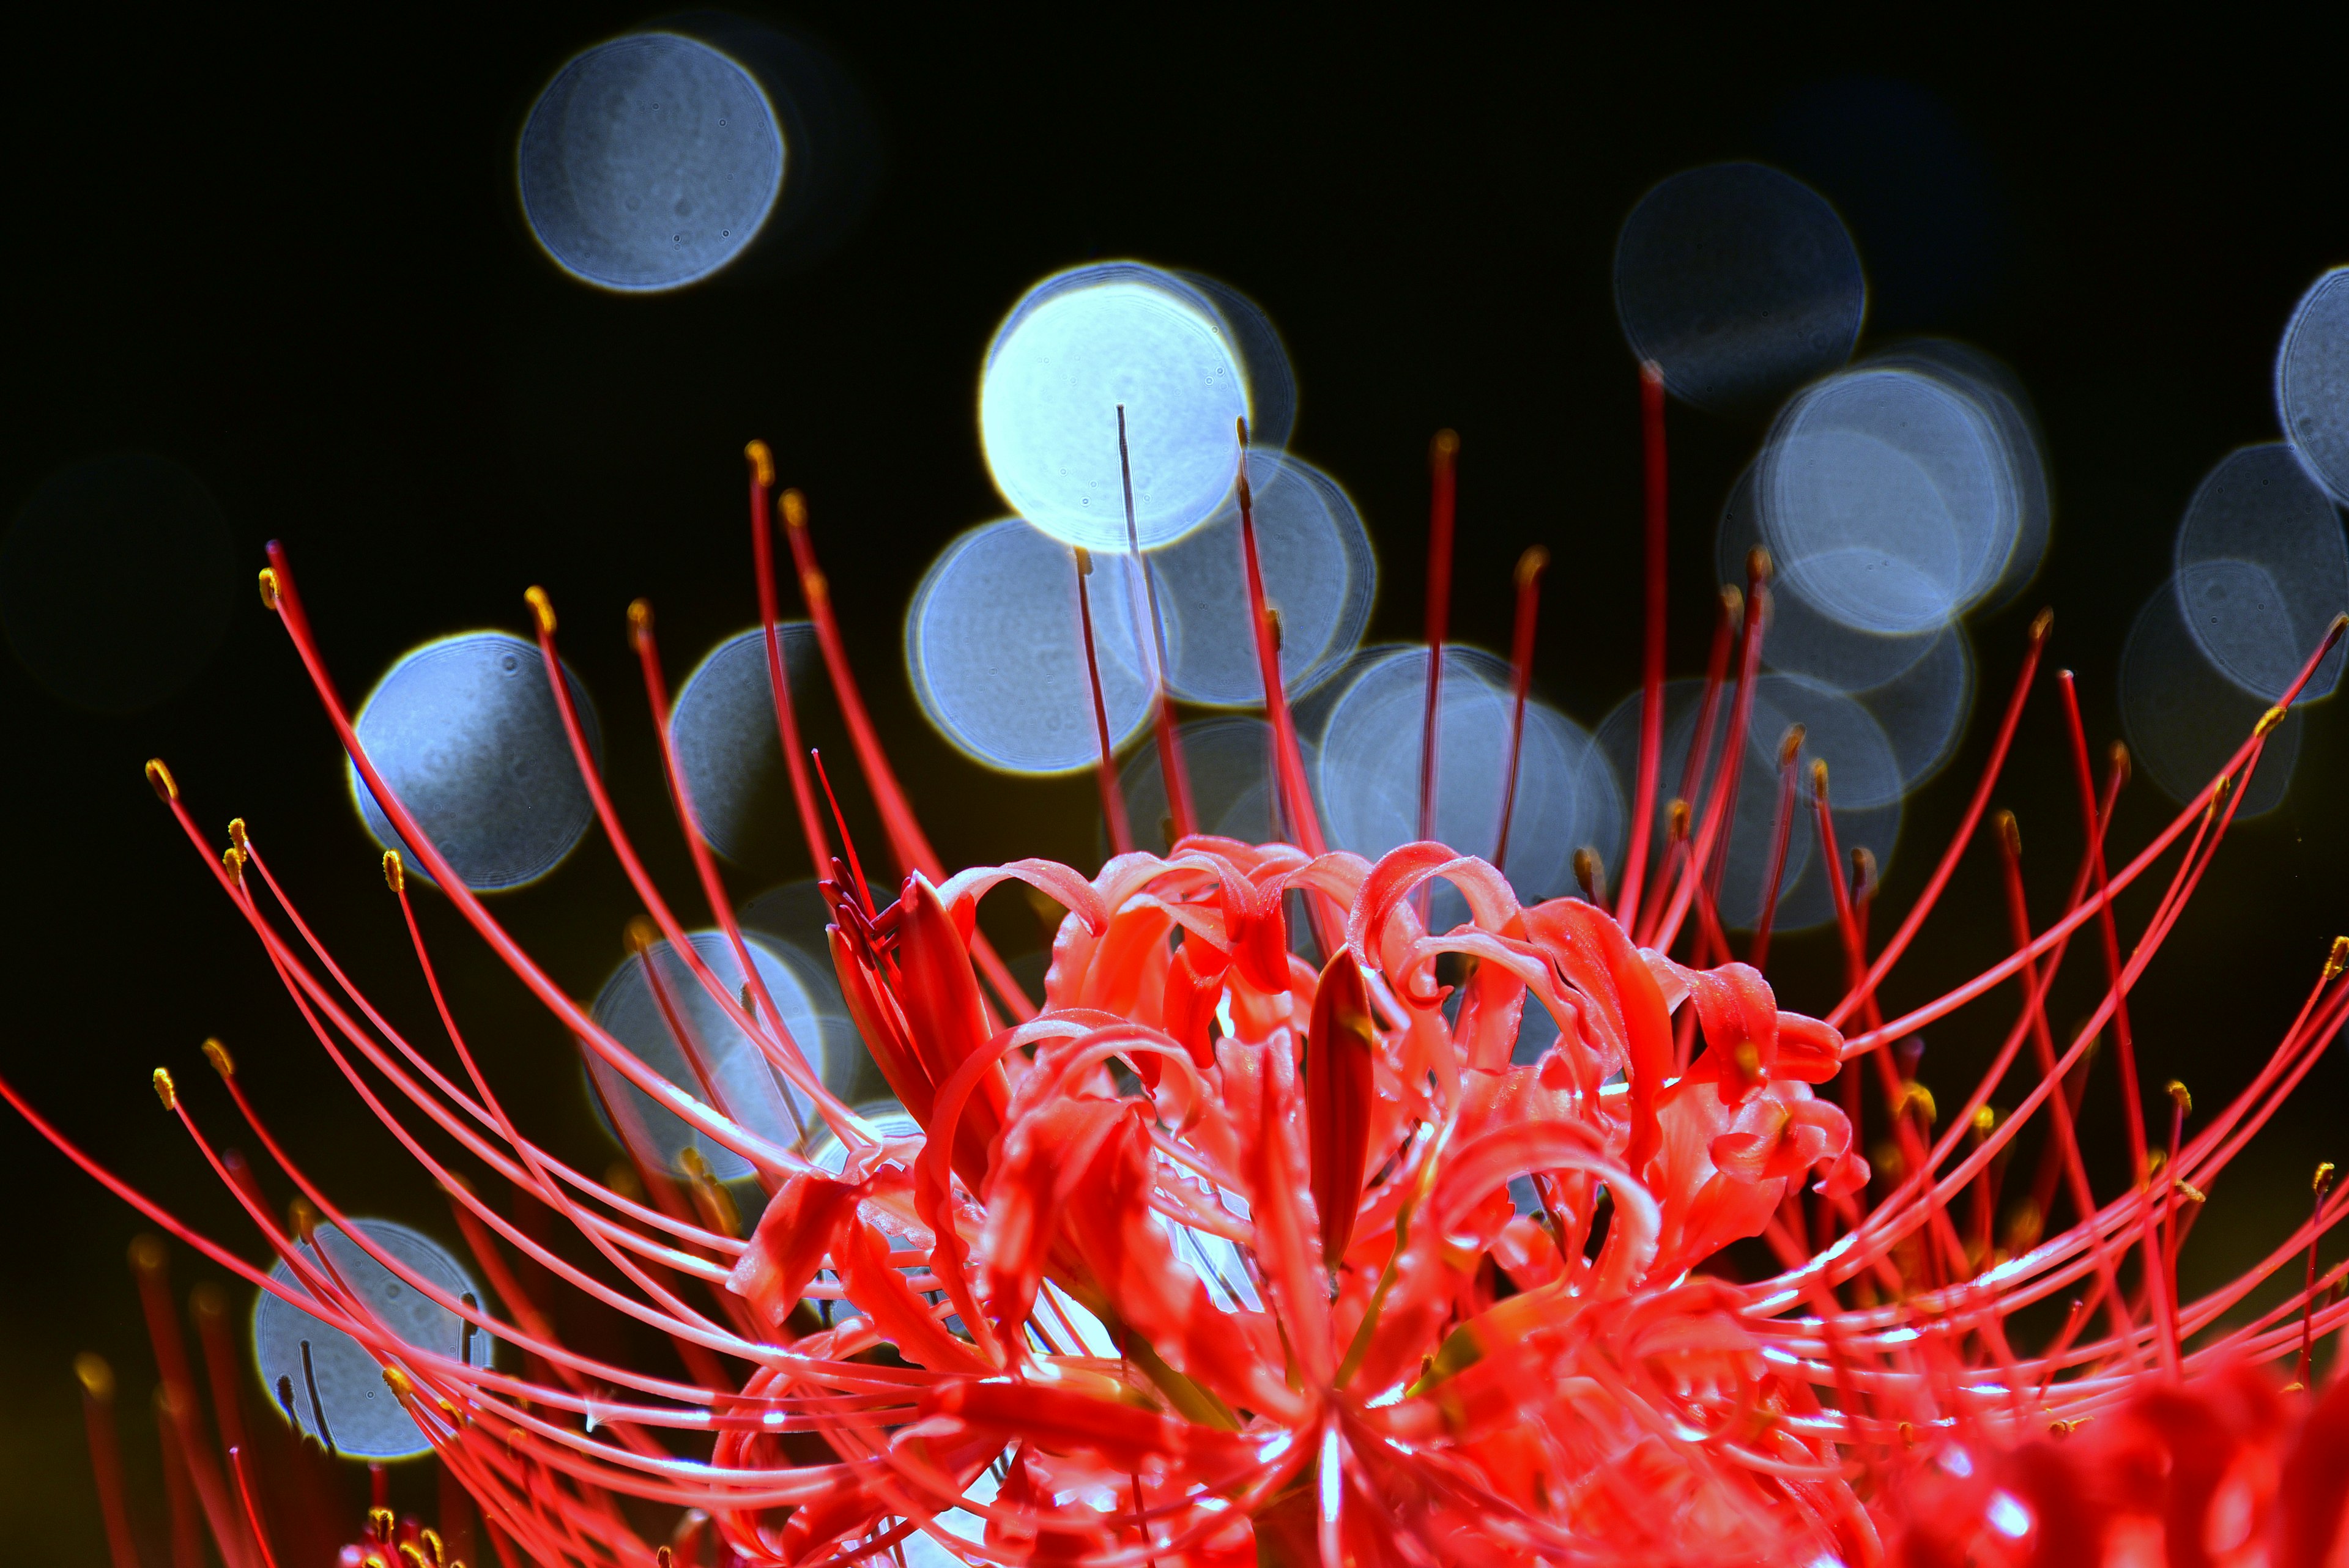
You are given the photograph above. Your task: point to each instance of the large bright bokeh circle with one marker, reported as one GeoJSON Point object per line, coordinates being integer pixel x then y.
{"type": "Point", "coordinates": [1074, 351]}
{"type": "Point", "coordinates": [648, 163]}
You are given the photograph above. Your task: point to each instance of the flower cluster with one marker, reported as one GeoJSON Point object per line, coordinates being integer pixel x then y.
{"type": "Point", "coordinates": [1256, 1243]}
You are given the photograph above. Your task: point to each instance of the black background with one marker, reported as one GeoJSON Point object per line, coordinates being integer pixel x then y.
{"type": "Point", "coordinates": [289, 257]}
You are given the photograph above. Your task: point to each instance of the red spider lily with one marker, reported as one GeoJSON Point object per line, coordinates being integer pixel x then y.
{"type": "Point", "coordinates": [1214, 1257]}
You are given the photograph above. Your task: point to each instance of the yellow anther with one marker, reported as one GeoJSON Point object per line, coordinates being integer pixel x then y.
{"type": "Point", "coordinates": [1790, 746]}
{"type": "Point", "coordinates": [2010, 833]}
{"type": "Point", "coordinates": [1819, 777]}
{"type": "Point", "coordinates": [2188, 1191]}
{"type": "Point", "coordinates": [2120, 760]}
{"type": "Point", "coordinates": [1084, 561]}
{"type": "Point", "coordinates": [269, 588]}
{"type": "Point", "coordinates": [2041, 624]}
{"type": "Point", "coordinates": [2180, 1098]}
{"type": "Point", "coordinates": [814, 587]}
{"type": "Point", "coordinates": [1913, 1093]}
{"type": "Point", "coordinates": [1733, 605]}
{"type": "Point", "coordinates": [431, 1539]}
{"type": "Point", "coordinates": [541, 608]}
{"type": "Point", "coordinates": [640, 623]}
{"type": "Point", "coordinates": [306, 1219]}
{"type": "Point", "coordinates": [395, 873]}
{"type": "Point", "coordinates": [164, 1089]}
{"type": "Point", "coordinates": [379, 1523]}
{"type": "Point", "coordinates": [238, 836]}
{"type": "Point", "coordinates": [794, 506]}
{"type": "Point", "coordinates": [641, 936]}
{"type": "Point", "coordinates": [2269, 720]}
{"type": "Point", "coordinates": [662, 1556]}
{"type": "Point", "coordinates": [2323, 1179]}
{"type": "Point", "coordinates": [762, 462]}
{"type": "Point", "coordinates": [1588, 872]}
{"type": "Point", "coordinates": [397, 1381]}
{"type": "Point", "coordinates": [1758, 565]}
{"type": "Point", "coordinates": [1676, 819]}
{"type": "Point", "coordinates": [97, 1376]}
{"type": "Point", "coordinates": [411, 1557]}
{"type": "Point", "coordinates": [146, 1254]}
{"type": "Point", "coordinates": [1532, 565]}
{"type": "Point", "coordinates": [232, 864]}
{"type": "Point", "coordinates": [2339, 960]}
{"type": "Point", "coordinates": [159, 779]}
{"type": "Point", "coordinates": [2218, 793]}
{"type": "Point", "coordinates": [1985, 1119]}
{"type": "Point", "coordinates": [217, 1054]}
{"type": "Point", "coordinates": [1446, 444]}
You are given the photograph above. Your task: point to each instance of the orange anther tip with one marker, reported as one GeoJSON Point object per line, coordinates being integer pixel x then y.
{"type": "Point", "coordinates": [541, 608]}
{"type": "Point", "coordinates": [217, 1054]}
{"type": "Point", "coordinates": [2180, 1098]}
{"type": "Point", "coordinates": [268, 588]}
{"type": "Point", "coordinates": [2041, 624]}
{"type": "Point", "coordinates": [1676, 819]}
{"type": "Point", "coordinates": [1084, 561]}
{"type": "Point", "coordinates": [640, 935]}
{"type": "Point", "coordinates": [2269, 720]}
{"type": "Point", "coordinates": [431, 1539]}
{"type": "Point", "coordinates": [395, 874]}
{"type": "Point", "coordinates": [640, 619]}
{"type": "Point", "coordinates": [1985, 1119]}
{"type": "Point", "coordinates": [236, 833]}
{"type": "Point", "coordinates": [762, 462]}
{"type": "Point", "coordinates": [146, 1254]}
{"type": "Point", "coordinates": [159, 778]}
{"type": "Point", "coordinates": [165, 1090]}
{"type": "Point", "coordinates": [1791, 746]}
{"type": "Point", "coordinates": [379, 1522]}
{"type": "Point", "coordinates": [1446, 444]}
{"type": "Point", "coordinates": [795, 508]}
{"type": "Point", "coordinates": [1532, 565]}
{"type": "Point", "coordinates": [2010, 833]}
{"type": "Point", "coordinates": [97, 1376]}
{"type": "Point", "coordinates": [1757, 565]}
{"type": "Point", "coordinates": [233, 863]}
{"type": "Point", "coordinates": [2324, 1178]}
{"type": "Point", "coordinates": [397, 1381]}
{"type": "Point", "coordinates": [1819, 775]}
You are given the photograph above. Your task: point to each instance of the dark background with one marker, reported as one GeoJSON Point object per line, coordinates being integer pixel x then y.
{"type": "Point", "coordinates": [291, 258]}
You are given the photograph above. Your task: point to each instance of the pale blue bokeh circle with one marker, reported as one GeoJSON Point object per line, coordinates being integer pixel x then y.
{"type": "Point", "coordinates": [336, 1392]}
{"type": "Point", "coordinates": [466, 732]}
{"type": "Point", "coordinates": [649, 162]}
